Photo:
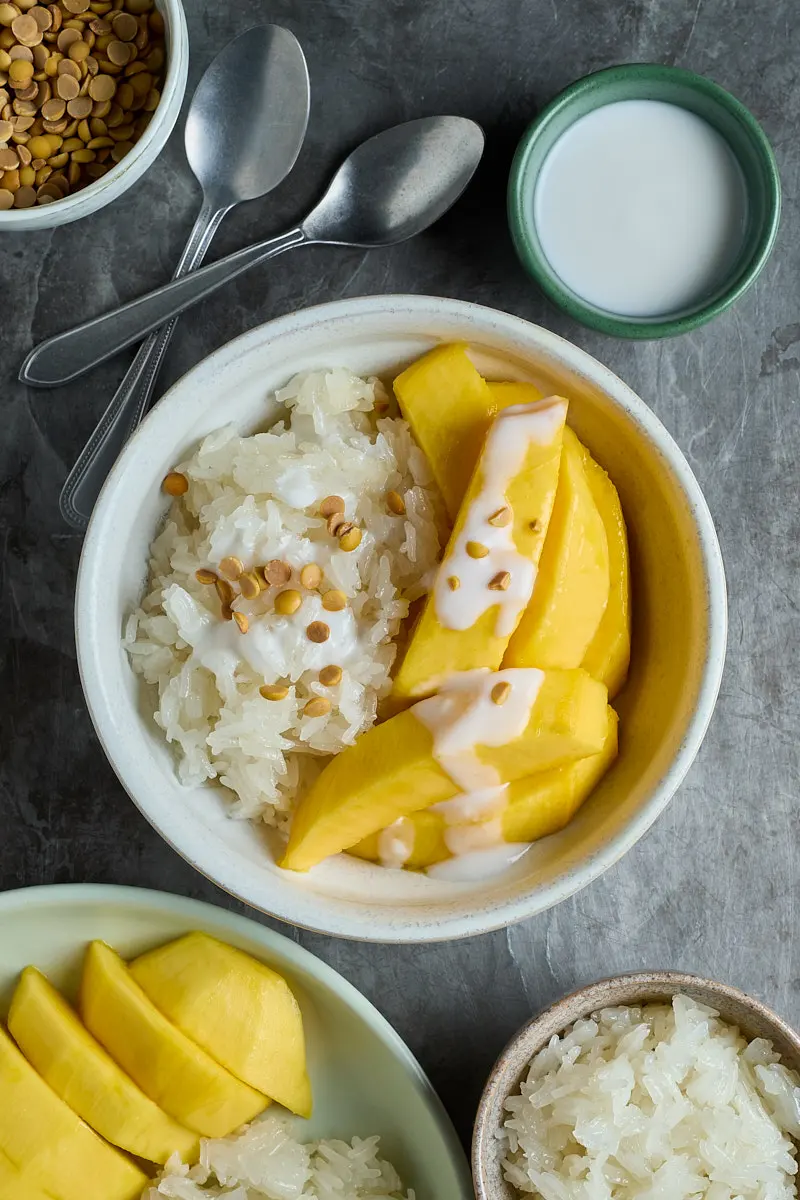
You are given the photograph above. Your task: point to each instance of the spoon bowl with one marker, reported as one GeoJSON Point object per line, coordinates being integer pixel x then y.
{"type": "Point", "coordinates": [396, 184]}
{"type": "Point", "coordinates": [248, 117]}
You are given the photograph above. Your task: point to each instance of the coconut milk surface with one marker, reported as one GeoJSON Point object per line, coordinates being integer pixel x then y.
{"type": "Point", "coordinates": [640, 208]}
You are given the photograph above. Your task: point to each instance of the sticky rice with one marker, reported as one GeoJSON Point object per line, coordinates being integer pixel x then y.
{"type": "Point", "coordinates": [256, 498]}
{"type": "Point", "coordinates": [266, 1162]}
{"type": "Point", "coordinates": [654, 1103]}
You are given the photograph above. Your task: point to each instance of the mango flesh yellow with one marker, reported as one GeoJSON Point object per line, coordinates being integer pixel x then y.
{"type": "Point", "coordinates": [392, 771]}
{"type": "Point", "coordinates": [544, 803]}
{"type": "Point", "coordinates": [538, 805]}
{"type": "Point", "coordinates": [571, 591]}
{"type": "Point", "coordinates": [241, 1012]}
{"type": "Point", "coordinates": [388, 773]}
{"type": "Point", "coordinates": [609, 652]}
{"type": "Point", "coordinates": [14, 1186]}
{"type": "Point", "coordinates": [449, 407]}
{"type": "Point", "coordinates": [435, 651]}
{"type": "Point", "coordinates": [168, 1067]}
{"type": "Point", "coordinates": [50, 1146]}
{"type": "Point", "coordinates": [506, 394]}
{"type": "Point", "coordinates": [77, 1068]}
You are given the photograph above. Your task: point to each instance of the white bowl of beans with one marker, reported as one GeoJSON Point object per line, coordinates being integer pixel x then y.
{"type": "Point", "coordinates": [90, 90]}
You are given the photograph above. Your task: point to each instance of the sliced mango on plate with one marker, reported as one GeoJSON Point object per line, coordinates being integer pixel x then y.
{"type": "Point", "coordinates": [392, 770]}
{"type": "Point", "coordinates": [571, 591]}
{"type": "Point", "coordinates": [488, 572]}
{"type": "Point", "coordinates": [609, 652]}
{"type": "Point", "coordinates": [239, 1010]}
{"type": "Point", "coordinates": [79, 1070]}
{"type": "Point", "coordinates": [172, 1070]}
{"type": "Point", "coordinates": [537, 806]}
{"type": "Point", "coordinates": [51, 1147]}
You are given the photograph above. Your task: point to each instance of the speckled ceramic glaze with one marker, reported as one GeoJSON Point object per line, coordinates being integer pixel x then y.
{"type": "Point", "coordinates": [649, 81]}
{"type": "Point", "coordinates": [679, 607]}
{"type": "Point", "coordinates": [752, 1017]}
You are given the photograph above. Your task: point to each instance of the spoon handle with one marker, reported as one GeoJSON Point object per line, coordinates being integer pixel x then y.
{"type": "Point", "coordinates": [65, 357]}
{"type": "Point", "coordinates": [130, 401]}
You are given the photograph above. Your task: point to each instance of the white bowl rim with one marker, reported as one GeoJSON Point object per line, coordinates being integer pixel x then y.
{"type": "Point", "coordinates": [94, 198]}
{"type": "Point", "coordinates": [369, 925]}
{"type": "Point", "coordinates": [201, 912]}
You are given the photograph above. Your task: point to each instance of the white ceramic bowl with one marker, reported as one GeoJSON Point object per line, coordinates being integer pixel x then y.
{"type": "Point", "coordinates": [144, 153]}
{"type": "Point", "coordinates": [679, 601]}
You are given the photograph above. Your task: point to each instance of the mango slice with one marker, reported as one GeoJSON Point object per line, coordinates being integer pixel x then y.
{"type": "Point", "coordinates": [495, 546]}
{"type": "Point", "coordinates": [572, 586]}
{"type": "Point", "coordinates": [506, 394]}
{"type": "Point", "coordinates": [538, 805]}
{"type": "Point", "coordinates": [392, 771]}
{"type": "Point", "coordinates": [449, 407]}
{"type": "Point", "coordinates": [14, 1186]}
{"type": "Point", "coordinates": [236, 1008]}
{"type": "Point", "coordinates": [77, 1068]}
{"type": "Point", "coordinates": [428, 845]}
{"type": "Point", "coordinates": [169, 1068]}
{"type": "Point", "coordinates": [50, 1146]}
{"type": "Point", "coordinates": [609, 652]}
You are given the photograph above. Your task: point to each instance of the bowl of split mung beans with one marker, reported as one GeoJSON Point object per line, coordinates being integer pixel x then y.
{"type": "Point", "coordinates": [90, 90]}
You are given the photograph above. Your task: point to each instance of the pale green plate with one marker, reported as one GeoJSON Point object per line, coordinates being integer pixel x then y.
{"type": "Point", "coordinates": [365, 1080]}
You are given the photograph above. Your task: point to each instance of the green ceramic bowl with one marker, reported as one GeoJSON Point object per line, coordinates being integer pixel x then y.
{"type": "Point", "coordinates": [649, 81]}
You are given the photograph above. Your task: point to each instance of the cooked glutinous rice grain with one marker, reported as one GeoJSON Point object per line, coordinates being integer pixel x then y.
{"type": "Point", "coordinates": [257, 498]}
{"type": "Point", "coordinates": [654, 1103]}
{"type": "Point", "coordinates": [265, 1160]}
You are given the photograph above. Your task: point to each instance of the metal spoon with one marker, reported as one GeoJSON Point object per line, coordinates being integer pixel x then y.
{"type": "Point", "coordinates": [390, 188]}
{"type": "Point", "coordinates": [245, 127]}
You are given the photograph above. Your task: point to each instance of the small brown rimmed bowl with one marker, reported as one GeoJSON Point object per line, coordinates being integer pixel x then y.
{"type": "Point", "coordinates": [752, 1017]}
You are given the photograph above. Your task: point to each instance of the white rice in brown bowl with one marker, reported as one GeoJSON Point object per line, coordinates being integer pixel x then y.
{"type": "Point", "coordinates": [653, 1102]}
{"type": "Point", "coordinates": [256, 498]}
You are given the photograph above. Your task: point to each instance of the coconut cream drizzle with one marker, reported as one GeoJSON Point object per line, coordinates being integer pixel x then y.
{"type": "Point", "coordinates": [472, 806]}
{"type": "Point", "coordinates": [462, 593]}
{"type": "Point", "coordinates": [462, 717]}
{"type": "Point", "coordinates": [396, 843]}
{"type": "Point", "coordinates": [274, 647]}
{"type": "Point", "coordinates": [479, 864]}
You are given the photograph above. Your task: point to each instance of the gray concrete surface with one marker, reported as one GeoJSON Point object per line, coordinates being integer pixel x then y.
{"type": "Point", "coordinates": [713, 886]}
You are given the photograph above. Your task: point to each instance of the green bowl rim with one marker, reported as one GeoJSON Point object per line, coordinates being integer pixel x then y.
{"type": "Point", "coordinates": [535, 264]}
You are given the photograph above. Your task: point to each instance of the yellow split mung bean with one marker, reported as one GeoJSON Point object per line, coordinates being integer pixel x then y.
{"type": "Point", "coordinates": [79, 83]}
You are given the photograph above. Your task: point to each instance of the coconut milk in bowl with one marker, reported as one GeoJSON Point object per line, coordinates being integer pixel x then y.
{"type": "Point", "coordinates": [641, 208]}
{"type": "Point", "coordinates": [644, 200]}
